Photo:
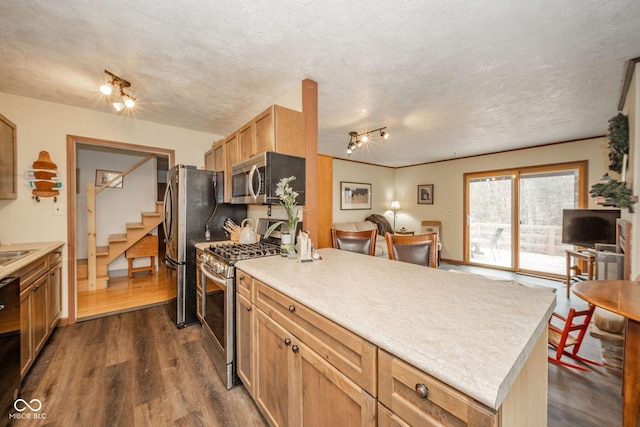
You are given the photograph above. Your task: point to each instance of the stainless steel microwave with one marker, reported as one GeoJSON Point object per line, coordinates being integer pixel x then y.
{"type": "Point", "coordinates": [254, 181]}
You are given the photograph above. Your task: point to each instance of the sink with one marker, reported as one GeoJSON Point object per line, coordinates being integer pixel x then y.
{"type": "Point", "coordinates": [10, 256]}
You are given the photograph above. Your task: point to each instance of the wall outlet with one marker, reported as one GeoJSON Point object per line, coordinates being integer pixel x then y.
{"type": "Point", "coordinates": [57, 208]}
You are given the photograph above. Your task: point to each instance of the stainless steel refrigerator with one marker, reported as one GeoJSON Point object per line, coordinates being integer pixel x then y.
{"type": "Point", "coordinates": [193, 199]}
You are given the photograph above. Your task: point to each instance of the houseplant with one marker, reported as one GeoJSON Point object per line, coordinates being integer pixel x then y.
{"type": "Point", "coordinates": [613, 192]}
{"type": "Point", "coordinates": [288, 199]}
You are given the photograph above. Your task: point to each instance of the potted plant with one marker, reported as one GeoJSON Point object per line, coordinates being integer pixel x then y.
{"type": "Point", "coordinates": [288, 199]}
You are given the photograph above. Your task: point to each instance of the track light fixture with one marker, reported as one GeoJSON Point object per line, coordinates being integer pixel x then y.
{"type": "Point", "coordinates": [358, 139]}
{"type": "Point", "coordinates": [117, 83]}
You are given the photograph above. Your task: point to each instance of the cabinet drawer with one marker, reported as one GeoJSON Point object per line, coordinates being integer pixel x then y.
{"type": "Point", "coordinates": [32, 272]}
{"type": "Point", "coordinates": [441, 405]}
{"type": "Point", "coordinates": [352, 355]}
{"type": "Point", "coordinates": [387, 419]}
{"type": "Point", "coordinates": [244, 284]}
{"type": "Point", "coordinates": [55, 257]}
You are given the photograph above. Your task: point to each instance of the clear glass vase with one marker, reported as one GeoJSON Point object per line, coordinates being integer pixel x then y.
{"type": "Point", "coordinates": [292, 253]}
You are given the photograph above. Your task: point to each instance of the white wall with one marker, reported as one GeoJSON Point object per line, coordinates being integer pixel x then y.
{"type": "Point", "coordinates": [44, 126]}
{"type": "Point", "coordinates": [382, 180]}
{"type": "Point", "coordinates": [402, 185]}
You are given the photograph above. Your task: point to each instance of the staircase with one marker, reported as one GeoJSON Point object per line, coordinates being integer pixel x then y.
{"type": "Point", "coordinates": [118, 244]}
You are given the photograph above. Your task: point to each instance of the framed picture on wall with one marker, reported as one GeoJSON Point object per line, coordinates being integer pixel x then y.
{"type": "Point", "coordinates": [355, 195]}
{"type": "Point", "coordinates": [105, 177]}
{"type": "Point", "coordinates": [425, 194]}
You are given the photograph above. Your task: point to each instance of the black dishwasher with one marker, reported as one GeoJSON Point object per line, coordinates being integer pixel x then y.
{"type": "Point", "coordinates": [9, 345]}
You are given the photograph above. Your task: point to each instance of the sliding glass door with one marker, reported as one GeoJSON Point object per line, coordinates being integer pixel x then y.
{"type": "Point", "coordinates": [514, 217]}
{"type": "Point", "coordinates": [490, 220]}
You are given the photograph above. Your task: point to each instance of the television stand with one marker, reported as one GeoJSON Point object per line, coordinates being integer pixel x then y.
{"type": "Point", "coordinates": [583, 257]}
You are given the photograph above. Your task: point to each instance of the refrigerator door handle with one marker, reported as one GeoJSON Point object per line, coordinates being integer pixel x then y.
{"type": "Point", "coordinates": [171, 263]}
{"type": "Point", "coordinates": [164, 209]}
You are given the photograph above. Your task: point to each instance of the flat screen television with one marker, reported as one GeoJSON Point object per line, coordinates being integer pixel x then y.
{"type": "Point", "coordinates": [586, 227]}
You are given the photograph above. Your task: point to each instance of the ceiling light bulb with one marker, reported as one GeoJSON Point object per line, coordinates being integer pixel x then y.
{"type": "Point", "coordinates": [129, 102]}
{"type": "Point", "coordinates": [349, 151]}
{"type": "Point", "coordinates": [106, 88]}
{"type": "Point", "coordinates": [365, 138]}
{"type": "Point", "coordinates": [384, 135]}
{"type": "Point", "coordinates": [119, 106]}
{"type": "Point", "coordinates": [358, 143]}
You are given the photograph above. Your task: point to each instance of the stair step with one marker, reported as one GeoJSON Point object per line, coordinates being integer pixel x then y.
{"type": "Point", "coordinates": [134, 225]}
{"type": "Point", "coordinates": [153, 214]}
{"type": "Point", "coordinates": [114, 238]}
{"type": "Point", "coordinates": [102, 250]}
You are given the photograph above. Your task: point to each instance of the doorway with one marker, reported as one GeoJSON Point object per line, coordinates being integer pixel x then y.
{"type": "Point", "coordinates": [514, 217]}
{"type": "Point", "coordinates": [73, 219]}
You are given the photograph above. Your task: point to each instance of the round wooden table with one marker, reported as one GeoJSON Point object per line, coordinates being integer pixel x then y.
{"type": "Point", "coordinates": [621, 297]}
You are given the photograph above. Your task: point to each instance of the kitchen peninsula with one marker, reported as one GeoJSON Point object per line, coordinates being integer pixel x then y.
{"type": "Point", "coordinates": [474, 349]}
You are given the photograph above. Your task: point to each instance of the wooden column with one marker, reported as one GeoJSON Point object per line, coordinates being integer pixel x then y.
{"type": "Point", "coordinates": [310, 111]}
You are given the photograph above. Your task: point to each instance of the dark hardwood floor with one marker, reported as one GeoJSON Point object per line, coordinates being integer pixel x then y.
{"type": "Point", "coordinates": [132, 369]}
{"type": "Point", "coordinates": [138, 369]}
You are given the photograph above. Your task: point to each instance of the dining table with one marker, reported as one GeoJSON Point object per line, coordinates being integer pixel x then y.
{"type": "Point", "coordinates": [621, 297]}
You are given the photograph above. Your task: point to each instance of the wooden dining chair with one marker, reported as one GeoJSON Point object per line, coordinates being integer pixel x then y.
{"type": "Point", "coordinates": [421, 249]}
{"type": "Point", "coordinates": [363, 242]}
{"type": "Point", "coordinates": [567, 333]}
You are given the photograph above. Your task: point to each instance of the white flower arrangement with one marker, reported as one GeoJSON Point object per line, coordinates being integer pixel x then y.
{"type": "Point", "coordinates": [288, 199]}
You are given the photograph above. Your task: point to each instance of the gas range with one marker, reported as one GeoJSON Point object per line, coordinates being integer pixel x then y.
{"type": "Point", "coordinates": [222, 257]}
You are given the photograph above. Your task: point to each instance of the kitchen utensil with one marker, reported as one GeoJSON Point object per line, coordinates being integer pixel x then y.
{"type": "Point", "coordinates": [247, 233]}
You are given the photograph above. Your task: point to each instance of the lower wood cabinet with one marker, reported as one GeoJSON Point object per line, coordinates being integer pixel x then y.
{"type": "Point", "coordinates": [244, 341]}
{"type": "Point", "coordinates": [417, 398]}
{"type": "Point", "coordinates": [302, 369]}
{"type": "Point", "coordinates": [294, 386]}
{"type": "Point", "coordinates": [40, 305]}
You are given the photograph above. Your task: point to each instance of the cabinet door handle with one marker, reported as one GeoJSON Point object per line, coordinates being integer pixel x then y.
{"type": "Point", "coordinates": [248, 308]}
{"type": "Point", "coordinates": [292, 308]}
{"type": "Point", "coordinates": [422, 391]}
{"type": "Point", "coordinates": [287, 341]}
{"type": "Point", "coordinates": [294, 349]}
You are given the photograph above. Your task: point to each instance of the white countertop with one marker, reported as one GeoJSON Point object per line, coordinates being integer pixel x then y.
{"type": "Point", "coordinates": [469, 331]}
{"type": "Point", "coordinates": [39, 250]}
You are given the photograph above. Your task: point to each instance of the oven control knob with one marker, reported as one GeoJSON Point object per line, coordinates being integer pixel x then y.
{"type": "Point", "coordinates": [218, 268]}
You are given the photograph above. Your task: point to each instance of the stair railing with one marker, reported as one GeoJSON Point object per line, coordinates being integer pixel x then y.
{"type": "Point", "coordinates": [92, 246]}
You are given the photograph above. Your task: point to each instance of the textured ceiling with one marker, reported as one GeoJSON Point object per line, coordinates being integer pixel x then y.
{"type": "Point", "coordinates": [449, 78]}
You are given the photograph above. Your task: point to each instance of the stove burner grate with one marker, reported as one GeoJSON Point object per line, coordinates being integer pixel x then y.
{"type": "Point", "coordinates": [238, 251]}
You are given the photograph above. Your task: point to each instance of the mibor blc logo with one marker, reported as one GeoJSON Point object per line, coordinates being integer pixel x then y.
{"type": "Point", "coordinates": [27, 410]}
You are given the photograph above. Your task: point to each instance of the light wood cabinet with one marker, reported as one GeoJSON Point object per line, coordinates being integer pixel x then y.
{"type": "Point", "coordinates": [54, 295]}
{"type": "Point", "coordinates": [302, 369]}
{"type": "Point", "coordinates": [40, 305]}
{"type": "Point", "coordinates": [419, 399]}
{"type": "Point", "coordinates": [9, 155]}
{"type": "Point", "coordinates": [232, 155]}
{"type": "Point", "coordinates": [351, 354]}
{"type": "Point", "coordinates": [276, 129]}
{"type": "Point", "coordinates": [245, 330]}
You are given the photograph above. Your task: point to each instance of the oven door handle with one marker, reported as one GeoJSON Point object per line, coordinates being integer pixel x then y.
{"type": "Point", "coordinates": [211, 277]}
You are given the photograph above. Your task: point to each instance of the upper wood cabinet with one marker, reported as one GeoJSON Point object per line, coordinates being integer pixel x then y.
{"type": "Point", "coordinates": [215, 158]}
{"type": "Point", "coordinates": [231, 156]}
{"type": "Point", "coordinates": [8, 152]}
{"type": "Point", "coordinates": [276, 129]}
